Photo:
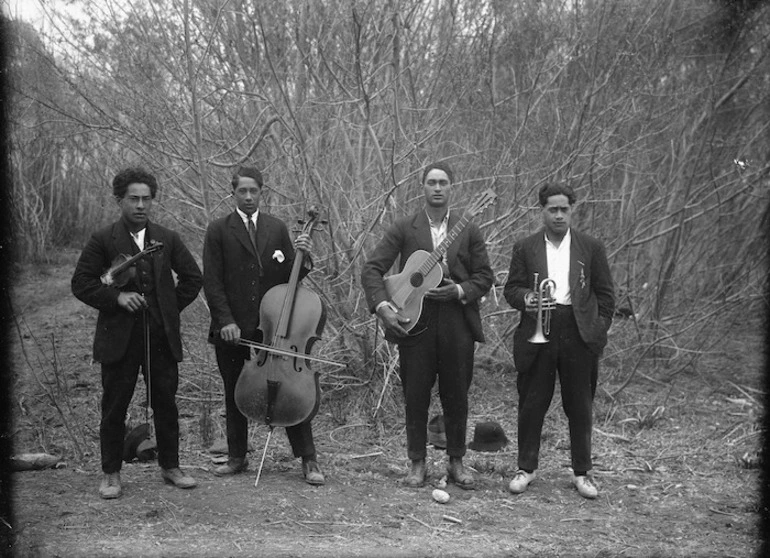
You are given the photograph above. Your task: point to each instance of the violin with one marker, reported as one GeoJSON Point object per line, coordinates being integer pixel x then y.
{"type": "Point", "coordinates": [122, 268]}
{"type": "Point", "coordinates": [278, 386]}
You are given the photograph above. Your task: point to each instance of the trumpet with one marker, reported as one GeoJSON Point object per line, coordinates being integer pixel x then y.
{"type": "Point", "coordinates": [544, 292]}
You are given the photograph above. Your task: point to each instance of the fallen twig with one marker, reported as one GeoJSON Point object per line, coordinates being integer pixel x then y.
{"type": "Point", "coordinates": [721, 512]}
{"type": "Point", "coordinates": [428, 526]}
{"type": "Point", "coordinates": [373, 454]}
{"type": "Point", "coordinates": [331, 434]}
{"type": "Point", "coordinates": [610, 435]}
{"type": "Point", "coordinates": [452, 519]}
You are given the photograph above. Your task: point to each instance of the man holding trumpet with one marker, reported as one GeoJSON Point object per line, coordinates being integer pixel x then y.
{"type": "Point", "coordinates": [560, 280]}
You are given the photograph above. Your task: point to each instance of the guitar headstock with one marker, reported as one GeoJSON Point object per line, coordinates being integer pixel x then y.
{"type": "Point", "coordinates": [484, 200]}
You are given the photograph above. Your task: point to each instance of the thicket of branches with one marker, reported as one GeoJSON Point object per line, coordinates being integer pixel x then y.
{"type": "Point", "coordinates": [658, 112]}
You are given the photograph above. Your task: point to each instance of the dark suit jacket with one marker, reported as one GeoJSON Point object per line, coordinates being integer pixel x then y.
{"type": "Point", "coordinates": [235, 277]}
{"type": "Point", "coordinates": [113, 326]}
{"type": "Point", "coordinates": [466, 258]}
{"type": "Point", "coordinates": [591, 289]}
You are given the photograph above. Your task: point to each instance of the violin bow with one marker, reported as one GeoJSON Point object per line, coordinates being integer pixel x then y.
{"type": "Point", "coordinates": [287, 353]}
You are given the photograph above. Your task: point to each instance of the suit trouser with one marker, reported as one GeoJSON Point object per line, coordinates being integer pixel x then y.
{"type": "Point", "coordinates": [578, 367]}
{"type": "Point", "coordinates": [444, 350]}
{"type": "Point", "coordinates": [118, 382]}
{"type": "Point", "coordinates": [230, 360]}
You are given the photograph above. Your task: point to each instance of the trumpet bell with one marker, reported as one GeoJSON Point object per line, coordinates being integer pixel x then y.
{"type": "Point", "coordinates": [538, 337]}
{"type": "Point", "coordinates": [544, 292]}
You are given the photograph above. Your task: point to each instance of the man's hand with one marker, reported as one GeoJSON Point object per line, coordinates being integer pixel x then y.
{"type": "Point", "coordinates": [131, 302]}
{"type": "Point", "coordinates": [304, 243]}
{"type": "Point", "coordinates": [530, 302]}
{"type": "Point", "coordinates": [392, 321]}
{"type": "Point", "coordinates": [445, 292]}
{"type": "Point", "coordinates": [231, 333]}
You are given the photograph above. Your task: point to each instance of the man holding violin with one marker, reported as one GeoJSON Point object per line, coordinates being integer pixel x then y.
{"type": "Point", "coordinates": [245, 254]}
{"type": "Point", "coordinates": [138, 304]}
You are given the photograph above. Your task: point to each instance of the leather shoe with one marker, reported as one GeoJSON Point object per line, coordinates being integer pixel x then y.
{"type": "Point", "coordinates": [233, 466]}
{"type": "Point", "coordinates": [521, 481]}
{"type": "Point", "coordinates": [457, 473]}
{"type": "Point", "coordinates": [417, 474]}
{"type": "Point", "coordinates": [312, 473]}
{"type": "Point", "coordinates": [110, 488]}
{"type": "Point", "coordinates": [179, 479]}
{"type": "Point", "coordinates": [585, 486]}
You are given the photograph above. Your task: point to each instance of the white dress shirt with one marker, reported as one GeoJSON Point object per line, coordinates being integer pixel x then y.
{"type": "Point", "coordinates": [245, 218]}
{"type": "Point", "coordinates": [558, 267]}
{"type": "Point", "coordinates": [139, 238]}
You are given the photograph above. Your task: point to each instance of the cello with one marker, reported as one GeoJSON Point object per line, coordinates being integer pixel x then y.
{"type": "Point", "coordinates": [278, 385]}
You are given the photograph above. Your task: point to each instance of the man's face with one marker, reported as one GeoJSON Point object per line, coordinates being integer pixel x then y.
{"type": "Point", "coordinates": [437, 188]}
{"type": "Point", "coordinates": [557, 216]}
{"type": "Point", "coordinates": [135, 205]}
{"type": "Point", "coordinates": [247, 194]}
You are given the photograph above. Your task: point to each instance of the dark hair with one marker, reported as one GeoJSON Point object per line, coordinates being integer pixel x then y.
{"type": "Point", "coordinates": [247, 172]}
{"type": "Point", "coordinates": [133, 175]}
{"type": "Point", "coordinates": [440, 166]}
{"type": "Point", "coordinates": [555, 189]}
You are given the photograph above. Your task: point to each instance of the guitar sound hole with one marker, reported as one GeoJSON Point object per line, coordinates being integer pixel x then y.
{"type": "Point", "coordinates": [416, 280]}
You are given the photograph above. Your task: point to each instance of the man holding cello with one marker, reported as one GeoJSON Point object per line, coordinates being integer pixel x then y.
{"type": "Point", "coordinates": [245, 254]}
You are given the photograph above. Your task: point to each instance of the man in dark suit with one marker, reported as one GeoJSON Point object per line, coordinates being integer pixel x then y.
{"type": "Point", "coordinates": [245, 254]}
{"type": "Point", "coordinates": [442, 342]}
{"type": "Point", "coordinates": [149, 301]}
{"type": "Point", "coordinates": [580, 315]}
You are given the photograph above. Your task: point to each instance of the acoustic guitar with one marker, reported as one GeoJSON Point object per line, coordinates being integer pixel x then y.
{"type": "Point", "coordinates": [422, 272]}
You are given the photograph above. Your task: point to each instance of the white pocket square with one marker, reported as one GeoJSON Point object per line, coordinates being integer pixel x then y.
{"type": "Point", "coordinates": [278, 256]}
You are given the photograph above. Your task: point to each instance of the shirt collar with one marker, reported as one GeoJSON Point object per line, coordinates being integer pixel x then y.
{"type": "Point", "coordinates": [443, 221]}
{"type": "Point", "coordinates": [566, 241]}
{"type": "Point", "coordinates": [245, 218]}
{"type": "Point", "coordinates": [138, 237]}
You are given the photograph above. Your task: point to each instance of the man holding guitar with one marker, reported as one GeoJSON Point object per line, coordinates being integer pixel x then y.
{"type": "Point", "coordinates": [431, 310]}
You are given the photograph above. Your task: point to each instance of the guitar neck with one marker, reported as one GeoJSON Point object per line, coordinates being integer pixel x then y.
{"type": "Point", "coordinates": [441, 249]}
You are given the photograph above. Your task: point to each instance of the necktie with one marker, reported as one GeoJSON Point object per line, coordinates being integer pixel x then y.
{"type": "Point", "coordinates": [253, 237]}
{"type": "Point", "coordinates": [253, 233]}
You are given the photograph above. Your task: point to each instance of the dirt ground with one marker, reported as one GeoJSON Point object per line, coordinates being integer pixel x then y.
{"type": "Point", "coordinates": [672, 481]}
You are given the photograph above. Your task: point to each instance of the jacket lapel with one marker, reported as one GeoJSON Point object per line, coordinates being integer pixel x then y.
{"type": "Point", "coordinates": [263, 235]}
{"type": "Point", "coordinates": [454, 248]}
{"type": "Point", "coordinates": [541, 259]}
{"type": "Point", "coordinates": [153, 234]}
{"type": "Point", "coordinates": [421, 228]}
{"type": "Point", "coordinates": [576, 263]}
{"type": "Point", "coordinates": [239, 231]}
{"type": "Point", "coordinates": [121, 239]}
